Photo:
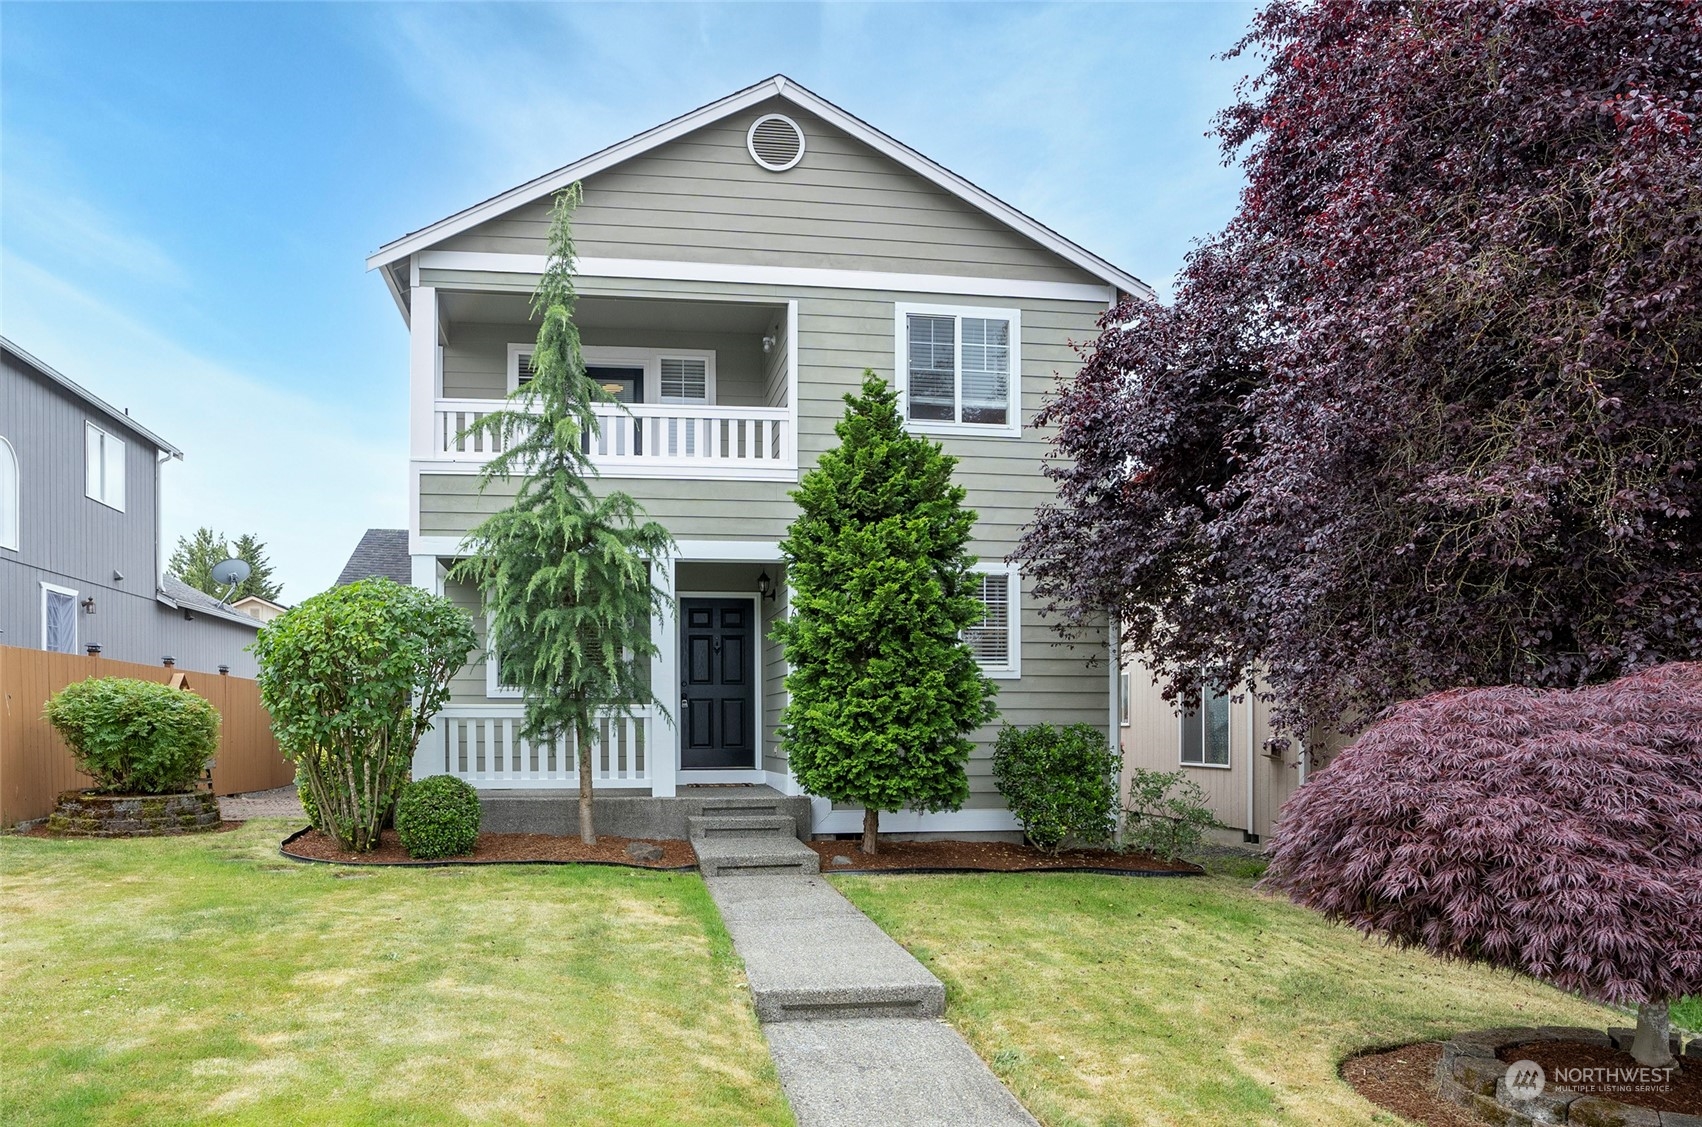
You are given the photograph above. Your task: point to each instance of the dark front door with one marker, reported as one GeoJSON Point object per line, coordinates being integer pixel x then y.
{"type": "Point", "coordinates": [717, 684]}
{"type": "Point", "coordinates": [626, 384]}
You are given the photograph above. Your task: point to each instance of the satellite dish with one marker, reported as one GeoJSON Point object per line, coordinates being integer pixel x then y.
{"type": "Point", "coordinates": [228, 574]}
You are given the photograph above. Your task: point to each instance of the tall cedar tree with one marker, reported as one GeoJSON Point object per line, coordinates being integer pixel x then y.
{"type": "Point", "coordinates": [564, 574]}
{"type": "Point", "coordinates": [1428, 412]}
{"type": "Point", "coordinates": [882, 690]}
{"type": "Point", "coordinates": [193, 559]}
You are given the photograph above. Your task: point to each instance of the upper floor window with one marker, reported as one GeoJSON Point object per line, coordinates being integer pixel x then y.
{"type": "Point", "coordinates": [996, 641]}
{"type": "Point", "coordinates": [1205, 732]}
{"type": "Point", "coordinates": [10, 502]}
{"type": "Point", "coordinates": [105, 458]}
{"type": "Point", "coordinates": [960, 367]}
{"type": "Point", "coordinates": [58, 619]}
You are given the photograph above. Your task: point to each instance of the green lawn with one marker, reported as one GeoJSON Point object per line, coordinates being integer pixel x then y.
{"type": "Point", "coordinates": [1117, 1001]}
{"type": "Point", "coordinates": [206, 979]}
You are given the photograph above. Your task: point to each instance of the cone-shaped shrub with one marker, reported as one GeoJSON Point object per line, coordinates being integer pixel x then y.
{"type": "Point", "coordinates": [1553, 833]}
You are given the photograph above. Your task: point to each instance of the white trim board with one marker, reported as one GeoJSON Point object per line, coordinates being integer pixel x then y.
{"type": "Point", "coordinates": [656, 269]}
{"type": "Point", "coordinates": [782, 87]}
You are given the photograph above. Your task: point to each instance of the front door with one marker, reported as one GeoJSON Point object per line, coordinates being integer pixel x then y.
{"type": "Point", "coordinates": [717, 684]}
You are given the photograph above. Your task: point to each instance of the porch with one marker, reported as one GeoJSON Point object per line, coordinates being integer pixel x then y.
{"type": "Point", "coordinates": [629, 814]}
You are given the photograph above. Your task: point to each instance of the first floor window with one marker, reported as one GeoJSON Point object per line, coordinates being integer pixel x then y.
{"type": "Point", "coordinates": [960, 367]}
{"type": "Point", "coordinates": [105, 457]}
{"type": "Point", "coordinates": [58, 619]}
{"type": "Point", "coordinates": [994, 640]}
{"type": "Point", "coordinates": [1205, 732]}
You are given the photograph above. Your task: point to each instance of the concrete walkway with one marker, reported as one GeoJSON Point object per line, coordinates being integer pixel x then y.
{"type": "Point", "coordinates": [853, 1021]}
{"type": "Point", "coordinates": [280, 802]}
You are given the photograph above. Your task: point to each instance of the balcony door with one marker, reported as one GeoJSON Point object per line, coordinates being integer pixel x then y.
{"type": "Point", "coordinates": [718, 720]}
{"type": "Point", "coordinates": [626, 383]}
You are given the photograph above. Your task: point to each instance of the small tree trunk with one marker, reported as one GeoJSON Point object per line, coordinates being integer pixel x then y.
{"type": "Point", "coordinates": [1652, 1047]}
{"type": "Point", "coordinates": [871, 827]}
{"type": "Point", "coordinates": [587, 832]}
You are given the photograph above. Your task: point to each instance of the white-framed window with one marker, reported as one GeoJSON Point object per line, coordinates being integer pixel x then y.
{"type": "Point", "coordinates": [959, 368]}
{"type": "Point", "coordinates": [671, 375]}
{"type": "Point", "coordinates": [104, 455]}
{"type": "Point", "coordinates": [11, 501]}
{"type": "Point", "coordinates": [1205, 732]}
{"type": "Point", "coordinates": [493, 670]}
{"type": "Point", "coordinates": [58, 618]}
{"type": "Point", "coordinates": [1123, 698]}
{"type": "Point", "coordinates": [996, 641]}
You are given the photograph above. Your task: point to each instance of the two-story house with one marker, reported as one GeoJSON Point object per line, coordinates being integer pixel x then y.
{"type": "Point", "coordinates": [740, 266]}
{"type": "Point", "coordinates": [80, 550]}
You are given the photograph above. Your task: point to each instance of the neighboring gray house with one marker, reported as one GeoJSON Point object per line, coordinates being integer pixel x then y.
{"type": "Point", "coordinates": [740, 266]}
{"type": "Point", "coordinates": [80, 551]}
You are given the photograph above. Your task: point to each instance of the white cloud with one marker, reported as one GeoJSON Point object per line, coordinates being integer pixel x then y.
{"type": "Point", "coordinates": [78, 233]}
{"type": "Point", "coordinates": [306, 477]}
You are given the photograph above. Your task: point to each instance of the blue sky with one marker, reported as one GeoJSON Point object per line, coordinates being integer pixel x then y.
{"type": "Point", "coordinates": [188, 192]}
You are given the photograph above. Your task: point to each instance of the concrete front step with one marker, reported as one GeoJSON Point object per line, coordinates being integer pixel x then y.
{"type": "Point", "coordinates": [748, 853]}
{"type": "Point", "coordinates": [723, 825]}
{"type": "Point", "coordinates": [895, 1073]}
{"type": "Point", "coordinates": [811, 956]}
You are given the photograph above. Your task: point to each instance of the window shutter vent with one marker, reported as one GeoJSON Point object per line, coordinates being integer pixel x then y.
{"type": "Point", "coordinates": [523, 374]}
{"type": "Point", "coordinates": [684, 379]}
{"type": "Point", "coordinates": [775, 142]}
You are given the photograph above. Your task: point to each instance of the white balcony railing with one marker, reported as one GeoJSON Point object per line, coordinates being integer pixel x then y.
{"type": "Point", "coordinates": [655, 440]}
{"type": "Point", "coordinates": [481, 743]}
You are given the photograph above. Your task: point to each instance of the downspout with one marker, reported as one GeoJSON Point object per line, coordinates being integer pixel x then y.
{"type": "Point", "coordinates": [1115, 646]}
{"type": "Point", "coordinates": [1251, 833]}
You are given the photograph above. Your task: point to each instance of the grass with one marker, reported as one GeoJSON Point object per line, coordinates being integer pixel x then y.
{"type": "Point", "coordinates": [207, 980]}
{"type": "Point", "coordinates": [1112, 1001]}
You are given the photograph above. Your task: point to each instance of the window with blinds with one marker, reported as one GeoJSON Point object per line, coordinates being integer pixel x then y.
{"type": "Point", "coordinates": [990, 640]}
{"type": "Point", "coordinates": [522, 369]}
{"type": "Point", "coordinates": [105, 465]}
{"type": "Point", "coordinates": [960, 366]}
{"type": "Point", "coordinates": [684, 380]}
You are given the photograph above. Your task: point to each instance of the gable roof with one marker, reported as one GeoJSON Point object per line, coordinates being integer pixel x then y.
{"type": "Point", "coordinates": [178, 595]}
{"type": "Point", "coordinates": [381, 552]}
{"type": "Point", "coordinates": [782, 87]}
{"type": "Point", "coordinates": [87, 398]}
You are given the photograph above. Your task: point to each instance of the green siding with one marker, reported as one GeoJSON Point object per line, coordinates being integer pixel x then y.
{"type": "Point", "coordinates": [702, 198]}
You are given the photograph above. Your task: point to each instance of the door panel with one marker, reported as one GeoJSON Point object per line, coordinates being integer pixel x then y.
{"type": "Point", "coordinates": [717, 684]}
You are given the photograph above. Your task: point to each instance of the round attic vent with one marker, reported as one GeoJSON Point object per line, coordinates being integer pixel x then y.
{"type": "Point", "coordinates": [775, 142]}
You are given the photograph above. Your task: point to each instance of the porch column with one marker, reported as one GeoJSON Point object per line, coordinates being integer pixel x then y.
{"type": "Point", "coordinates": [664, 747]}
{"type": "Point", "coordinates": [422, 370]}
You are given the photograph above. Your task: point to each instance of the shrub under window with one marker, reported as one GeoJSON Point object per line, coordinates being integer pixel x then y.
{"type": "Point", "coordinates": [136, 737]}
{"type": "Point", "coordinates": [1061, 783]}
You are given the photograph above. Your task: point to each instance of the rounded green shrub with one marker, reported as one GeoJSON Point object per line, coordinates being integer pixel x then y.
{"type": "Point", "coordinates": [438, 816]}
{"type": "Point", "coordinates": [1061, 783]}
{"type": "Point", "coordinates": [136, 737]}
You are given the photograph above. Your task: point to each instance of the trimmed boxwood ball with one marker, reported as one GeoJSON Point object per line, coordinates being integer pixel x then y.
{"type": "Point", "coordinates": [1061, 783]}
{"type": "Point", "coordinates": [438, 817]}
{"type": "Point", "coordinates": [136, 737]}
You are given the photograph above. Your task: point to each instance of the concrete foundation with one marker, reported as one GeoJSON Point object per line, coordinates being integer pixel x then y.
{"type": "Point", "coordinates": [620, 814]}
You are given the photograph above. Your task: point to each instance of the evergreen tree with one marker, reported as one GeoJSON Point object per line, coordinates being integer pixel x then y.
{"type": "Point", "coordinates": [193, 559]}
{"type": "Point", "coordinates": [883, 691]}
{"type": "Point", "coordinates": [564, 574]}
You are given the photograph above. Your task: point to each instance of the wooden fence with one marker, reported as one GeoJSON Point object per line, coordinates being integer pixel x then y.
{"type": "Point", "coordinates": [35, 764]}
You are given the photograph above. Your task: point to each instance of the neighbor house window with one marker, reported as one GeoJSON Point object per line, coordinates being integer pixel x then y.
{"type": "Point", "coordinates": [1205, 732]}
{"type": "Point", "coordinates": [960, 367]}
{"type": "Point", "coordinates": [105, 459]}
{"type": "Point", "coordinates": [1123, 698]}
{"type": "Point", "coordinates": [494, 686]}
{"type": "Point", "coordinates": [9, 498]}
{"type": "Point", "coordinates": [996, 639]}
{"type": "Point", "coordinates": [58, 619]}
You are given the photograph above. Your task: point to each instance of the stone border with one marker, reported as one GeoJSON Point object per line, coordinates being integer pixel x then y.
{"type": "Point", "coordinates": [1471, 1075]}
{"type": "Point", "coordinates": [81, 813]}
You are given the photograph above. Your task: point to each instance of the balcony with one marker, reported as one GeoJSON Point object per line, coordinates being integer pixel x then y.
{"type": "Point", "coordinates": [644, 440]}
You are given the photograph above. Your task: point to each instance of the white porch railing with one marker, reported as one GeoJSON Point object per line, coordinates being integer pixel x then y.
{"type": "Point", "coordinates": [482, 744]}
{"type": "Point", "coordinates": [657, 440]}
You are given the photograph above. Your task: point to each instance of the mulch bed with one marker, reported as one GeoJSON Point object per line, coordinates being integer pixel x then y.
{"type": "Point", "coordinates": [1403, 1081]}
{"type": "Point", "coordinates": [988, 857]}
{"type": "Point", "coordinates": [1682, 1093]}
{"type": "Point", "coordinates": [224, 826]}
{"type": "Point", "coordinates": [495, 849]}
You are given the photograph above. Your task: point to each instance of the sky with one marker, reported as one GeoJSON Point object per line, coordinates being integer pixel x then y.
{"type": "Point", "coordinates": [188, 193]}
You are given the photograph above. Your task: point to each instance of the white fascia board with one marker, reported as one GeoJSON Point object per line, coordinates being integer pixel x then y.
{"type": "Point", "coordinates": [778, 86]}
{"type": "Point", "coordinates": [790, 277]}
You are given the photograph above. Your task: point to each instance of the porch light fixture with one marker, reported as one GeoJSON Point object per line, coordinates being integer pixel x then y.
{"type": "Point", "coordinates": [765, 586]}
{"type": "Point", "coordinates": [768, 343]}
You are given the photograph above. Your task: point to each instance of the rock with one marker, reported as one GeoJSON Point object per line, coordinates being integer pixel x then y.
{"type": "Point", "coordinates": [1621, 1036]}
{"type": "Point", "coordinates": [1680, 1119]}
{"type": "Point", "coordinates": [1597, 1111]}
{"type": "Point", "coordinates": [1548, 1107]}
{"type": "Point", "coordinates": [841, 860]}
{"type": "Point", "coordinates": [1478, 1075]}
{"type": "Point", "coordinates": [644, 851]}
